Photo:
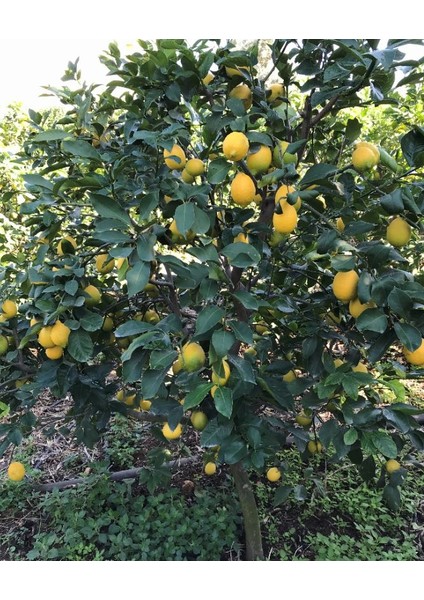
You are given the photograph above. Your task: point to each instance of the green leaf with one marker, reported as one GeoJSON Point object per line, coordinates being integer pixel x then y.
{"type": "Point", "coordinates": [372, 319]}
{"type": "Point", "coordinates": [202, 222]}
{"type": "Point", "coordinates": [244, 368]}
{"type": "Point", "coordinates": [132, 328]}
{"type": "Point", "coordinates": [208, 318]}
{"type": "Point", "coordinates": [242, 331]}
{"type": "Point", "coordinates": [184, 217]}
{"type": "Point", "coordinates": [108, 208]}
{"type": "Point", "coordinates": [91, 321]}
{"type": "Point", "coordinates": [137, 277]}
{"type": "Point", "coordinates": [51, 135]}
{"type": "Point", "coordinates": [353, 129]}
{"type": "Point", "coordinates": [218, 170]}
{"type": "Point", "coordinates": [80, 149]}
{"type": "Point", "coordinates": [391, 495]}
{"type": "Point", "coordinates": [380, 346]}
{"type": "Point", "coordinates": [204, 253]}
{"type": "Point", "coordinates": [223, 400]}
{"type": "Point", "coordinates": [162, 359]}
{"type": "Point", "coordinates": [215, 433]}
{"type": "Point", "coordinates": [146, 247]}
{"type": "Point", "coordinates": [248, 300]}
{"type": "Point", "coordinates": [350, 437]}
{"type": "Point", "coordinates": [241, 255]}
{"type": "Point", "coordinates": [151, 381]}
{"type": "Point", "coordinates": [71, 287]}
{"type": "Point", "coordinates": [400, 302]}
{"type": "Point", "coordinates": [300, 493]}
{"type": "Point", "coordinates": [282, 494]}
{"type": "Point", "coordinates": [317, 173]}
{"type": "Point", "coordinates": [222, 341]}
{"type": "Point", "coordinates": [80, 346]}
{"type": "Point", "coordinates": [233, 450]}
{"type": "Point", "coordinates": [384, 444]}
{"type": "Point", "coordinates": [195, 397]}
{"type": "Point", "coordinates": [412, 144]}
{"type": "Point", "coordinates": [408, 335]}
{"type": "Point", "coordinates": [393, 202]}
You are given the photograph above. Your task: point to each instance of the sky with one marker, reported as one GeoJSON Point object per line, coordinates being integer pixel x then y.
{"type": "Point", "coordinates": [38, 39]}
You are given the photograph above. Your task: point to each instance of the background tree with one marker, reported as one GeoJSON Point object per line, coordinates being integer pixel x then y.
{"type": "Point", "coordinates": [207, 249]}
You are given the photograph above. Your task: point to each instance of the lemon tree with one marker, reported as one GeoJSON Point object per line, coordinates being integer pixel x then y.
{"type": "Point", "coordinates": [185, 255]}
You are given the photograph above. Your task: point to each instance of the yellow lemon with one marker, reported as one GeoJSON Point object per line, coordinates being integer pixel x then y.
{"type": "Point", "coordinates": [54, 353]}
{"type": "Point", "coordinates": [282, 193]}
{"type": "Point", "coordinates": [208, 78]}
{"type": "Point", "coordinates": [66, 245]}
{"type": "Point", "coordinates": [177, 365]}
{"type": "Point", "coordinates": [345, 285]}
{"type": "Point", "coordinates": [16, 471]}
{"type": "Point", "coordinates": [193, 357]}
{"type": "Point", "coordinates": [177, 236]}
{"type": "Point", "coordinates": [303, 420]}
{"type": "Point", "coordinates": [241, 237]}
{"type": "Point", "coordinates": [172, 434]}
{"type": "Point", "coordinates": [243, 189]}
{"type": "Point", "coordinates": [259, 161]}
{"type": "Point", "coordinates": [416, 357]}
{"type": "Point", "coordinates": [9, 309]}
{"type": "Point", "coordinates": [127, 399]}
{"type": "Point", "coordinates": [281, 156]}
{"type": "Point", "coordinates": [108, 324]}
{"type": "Point", "coordinates": [340, 226]}
{"type": "Point", "coordinates": [286, 221]}
{"type": "Point", "coordinates": [199, 420]}
{"type": "Point", "coordinates": [186, 177]}
{"type": "Point", "coordinates": [145, 404]}
{"type": "Point", "coordinates": [44, 337]}
{"type": "Point", "coordinates": [372, 147]}
{"type": "Point", "coordinates": [4, 345]}
{"type": "Point", "coordinates": [360, 368]}
{"type": "Point", "coordinates": [235, 146]}
{"type": "Point", "coordinates": [314, 447]}
{"type": "Point", "coordinates": [216, 379]}
{"type": "Point", "coordinates": [210, 468]}
{"type": "Point", "coordinates": [94, 295]}
{"type": "Point", "coordinates": [273, 474]}
{"type": "Point", "coordinates": [392, 465]}
{"type": "Point", "coordinates": [363, 158]}
{"type": "Point", "coordinates": [356, 307]}
{"type": "Point", "coordinates": [59, 334]}
{"type": "Point", "coordinates": [290, 376]}
{"type": "Point", "coordinates": [398, 232]}
{"type": "Point", "coordinates": [175, 158]}
{"type": "Point", "coordinates": [235, 71]}
{"type": "Point", "coordinates": [195, 167]}
{"type": "Point", "coordinates": [274, 94]}
{"type": "Point", "coordinates": [104, 263]}
{"type": "Point", "coordinates": [151, 316]}
{"type": "Point", "coordinates": [243, 93]}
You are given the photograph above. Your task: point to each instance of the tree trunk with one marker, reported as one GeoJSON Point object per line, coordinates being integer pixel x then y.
{"type": "Point", "coordinates": [252, 528]}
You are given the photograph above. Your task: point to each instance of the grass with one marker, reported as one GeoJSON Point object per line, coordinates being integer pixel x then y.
{"type": "Point", "coordinates": [332, 515]}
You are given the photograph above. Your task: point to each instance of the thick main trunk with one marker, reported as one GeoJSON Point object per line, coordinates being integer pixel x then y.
{"type": "Point", "coordinates": [252, 528]}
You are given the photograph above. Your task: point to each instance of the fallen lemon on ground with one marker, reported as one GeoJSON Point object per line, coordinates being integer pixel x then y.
{"type": "Point", "coordinates": [273, 474]}
{"type": "Point", "coordinates": [210, 468]}
{"type": "Point", "coordinates": [16, 471]}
